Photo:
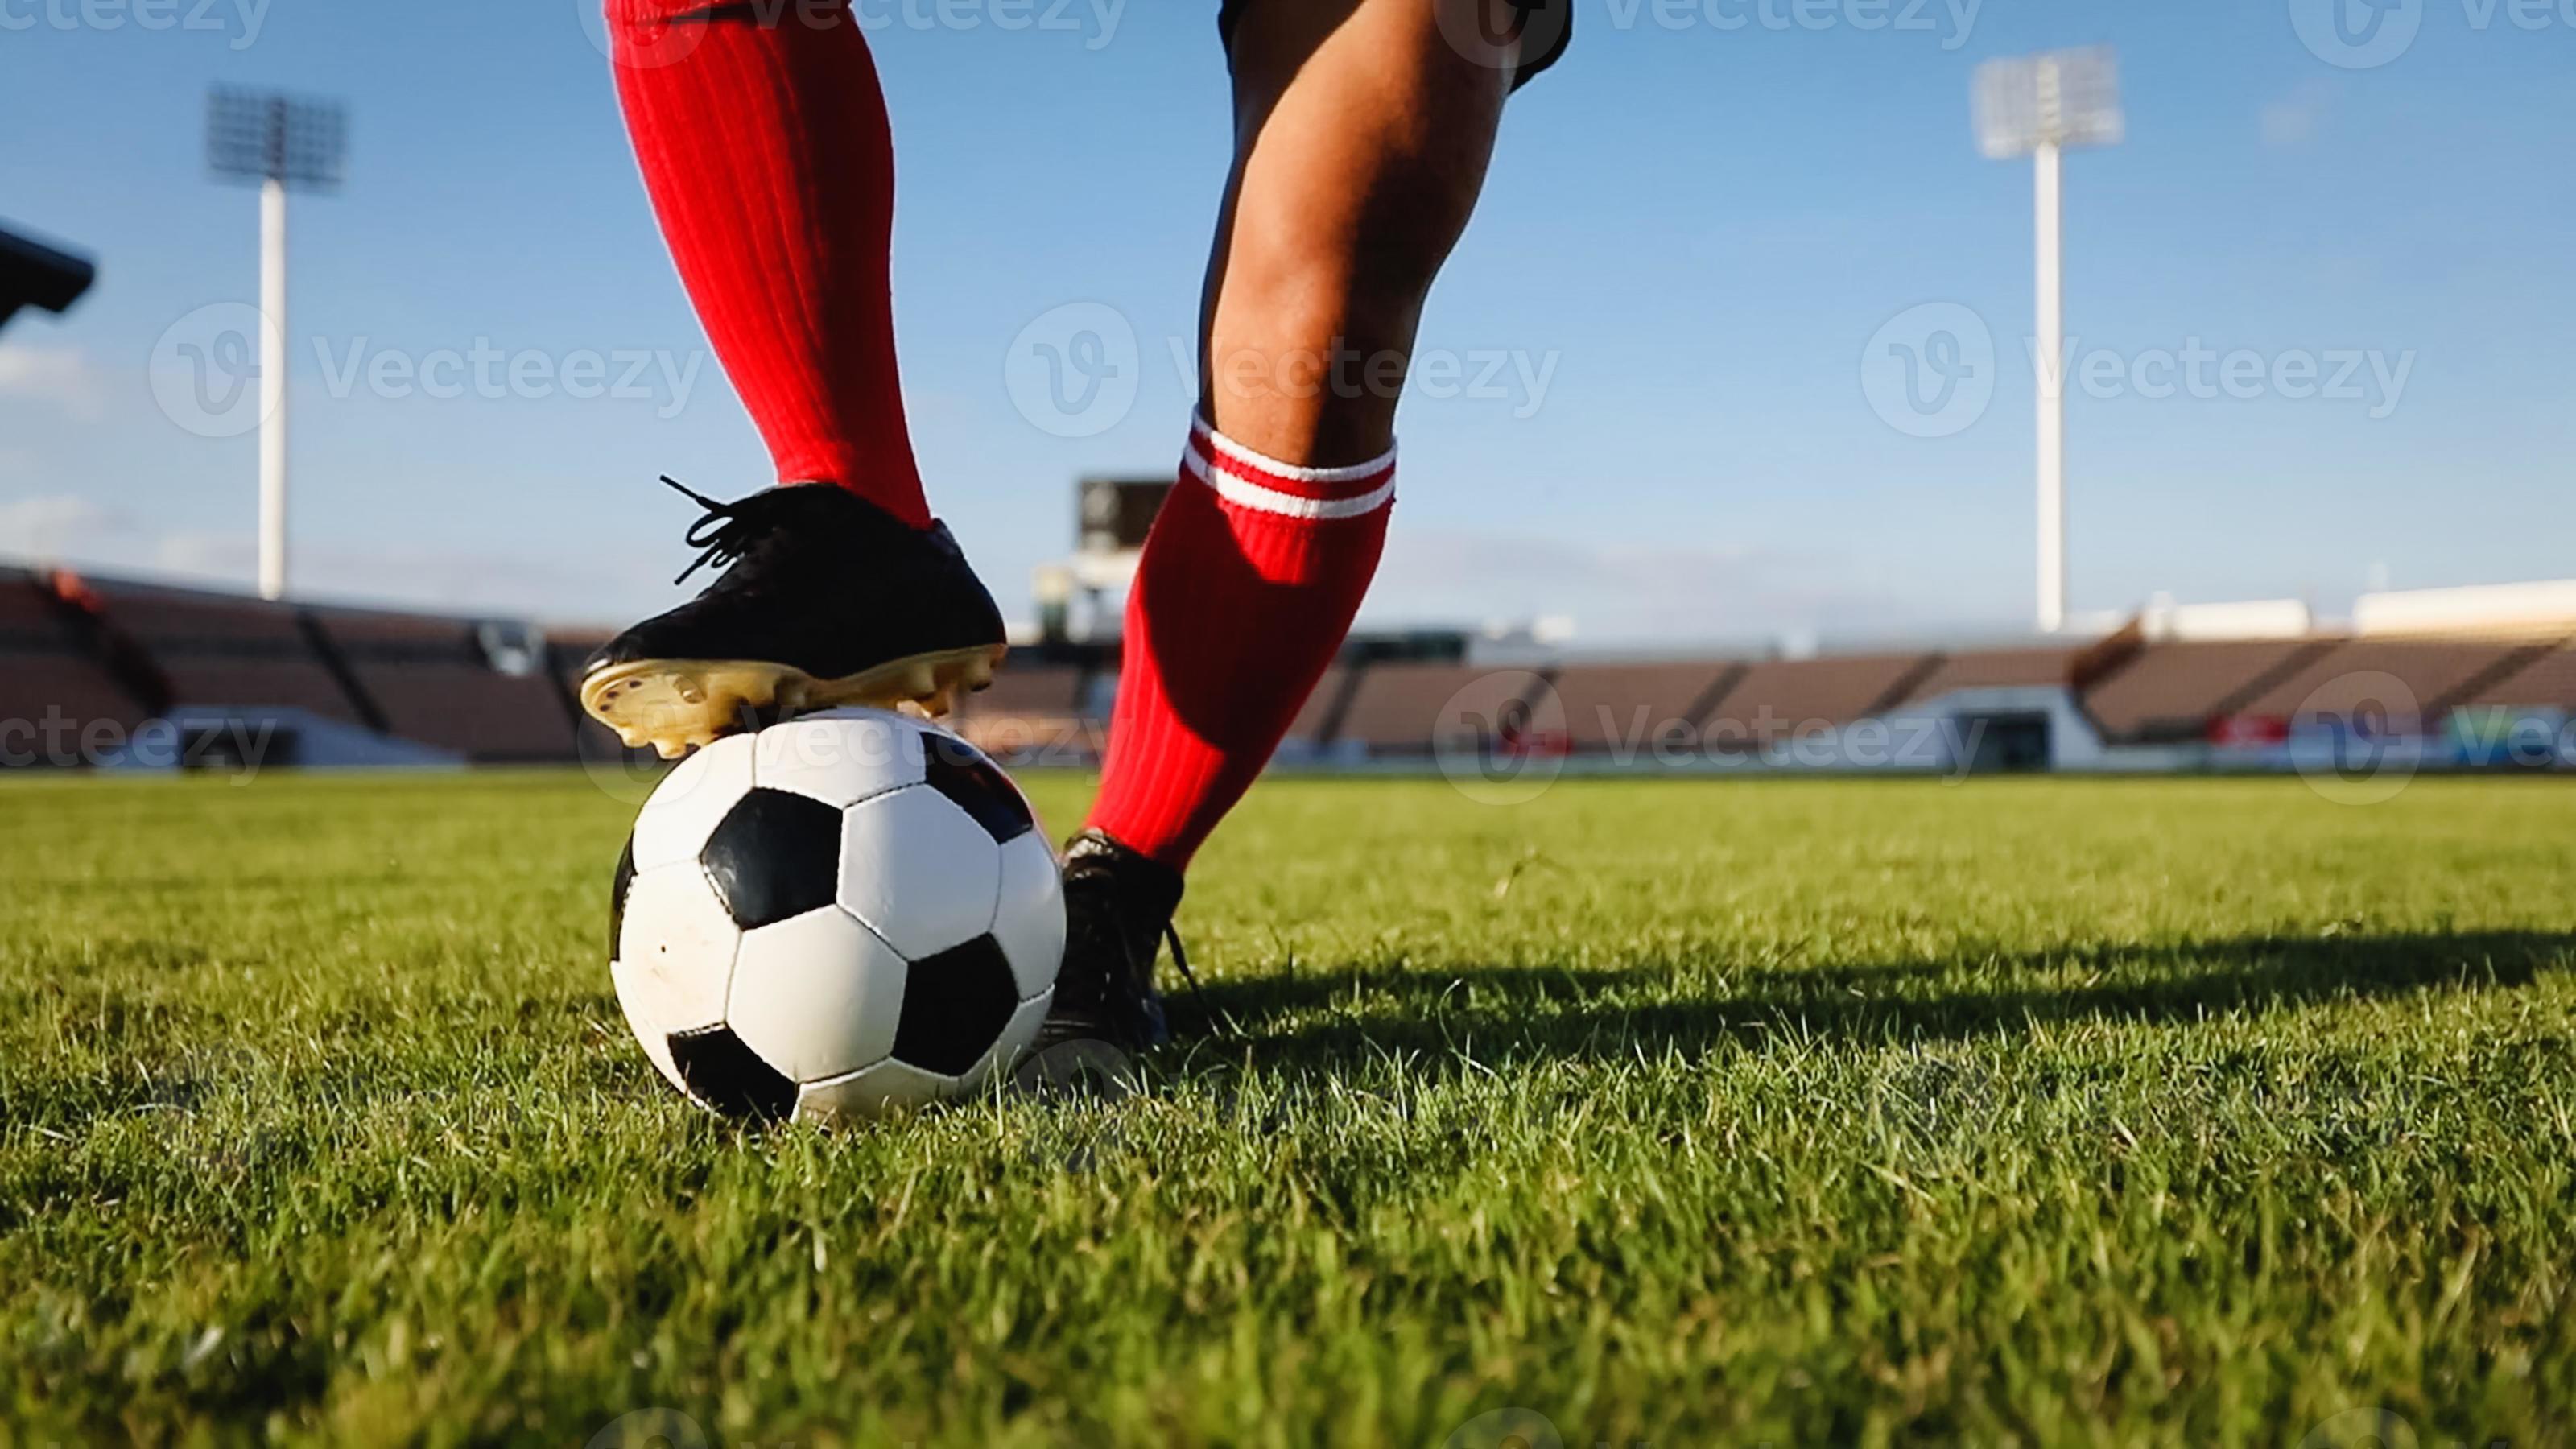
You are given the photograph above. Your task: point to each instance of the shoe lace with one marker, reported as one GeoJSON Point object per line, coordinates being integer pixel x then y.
{"type": "Point", "coordinates": [728, 530]}
{"type": "Point", "coordinates": [1181, 959]}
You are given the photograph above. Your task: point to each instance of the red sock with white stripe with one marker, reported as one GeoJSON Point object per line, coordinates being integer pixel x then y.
{"type": "Point", "coordinates": [1248, 585]}
{"type": "Point", "coordinates": [764, 142]}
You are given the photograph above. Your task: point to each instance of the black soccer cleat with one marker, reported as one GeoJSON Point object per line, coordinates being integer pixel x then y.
{"type": "Point", "coordinates": [1118, 913]}
{"type": "Point", "coordinates": [829, 600]}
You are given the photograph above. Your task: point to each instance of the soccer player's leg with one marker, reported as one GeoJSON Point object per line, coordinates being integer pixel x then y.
{"type": "Point", "coordinates": [764, 143]}
{"type": "Point", "coordinates": [1362, 136]}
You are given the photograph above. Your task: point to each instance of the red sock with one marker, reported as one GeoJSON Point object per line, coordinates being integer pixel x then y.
{"type": "Point", "coordinates": [1249, 582]}
{"type": "Point", "coordinates": [764, 143]}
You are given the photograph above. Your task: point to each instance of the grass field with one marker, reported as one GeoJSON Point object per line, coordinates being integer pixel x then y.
{"type": "Point", "coordinates": [1699, 1114]}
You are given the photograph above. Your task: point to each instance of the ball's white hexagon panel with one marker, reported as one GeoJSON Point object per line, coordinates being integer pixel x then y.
{"type": "Point", "coordinates": [840, 756]}
{"type": "Point", "coordinates": [919, 871]}
{"type": "Point", "coordinates": [1029, 921]}
{"type": "Point", "coordinates": [862, 1096]}
{"type": "Point", "coordinates": [1014, 1040]}
{"type": "Point", "coordinates": [816, 996]}
{"type": "Point", "coordinates": [685, 807]}
{"type": "Point", "coordinates": [675, 951]}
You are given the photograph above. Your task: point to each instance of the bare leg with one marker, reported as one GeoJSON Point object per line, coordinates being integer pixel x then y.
{"type": "Point", "coordinates": [1362, 137]}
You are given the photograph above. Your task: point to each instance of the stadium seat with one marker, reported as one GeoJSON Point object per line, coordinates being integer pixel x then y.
{"type": "Point", "coordinates": [1032, 714]}
{"type": "Point", "coordinates": [1780, 698]}
{"type": "Point", "coordinates": [1621, 706]}
{"type": "Point", "coordinates": [2543, 679]}
{"type": "Point", "coordinates": [1397, 707]}
{"type": "Point", "coordinates": [1315, 723]}
{"type": "Point", "coordinates": [2354, 675]}
{"type": "Point", "coordinates": [431, 680]}
{"type": "Point", "coordinates": [46, 676]}
{"type": "Point", "coordinates": [224, 651]}
{"type": "Point", "coordinates": [2174, 691]}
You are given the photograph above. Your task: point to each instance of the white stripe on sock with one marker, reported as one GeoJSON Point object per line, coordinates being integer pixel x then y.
{"type": "Point", "coordinates": [1243, 493]}
{"type": "Point", "coordinates": [1222, 446]}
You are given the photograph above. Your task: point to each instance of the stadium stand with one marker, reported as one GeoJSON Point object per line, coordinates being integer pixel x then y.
{"type": "Point", "coordinates": [1998, 669]}
{"type": "Point", "coordinates": [1032, 712]}
{"type": "Point", "coordinates": [1318, 721]}
{"type": "Point", "coordinates": [356, 686]}
{"type": "Point", "coordinates": [482, 691]}
{"type": "Point", "coordinates": [218, 650]}
{"type": "Point", "coordinates": [2353, 676]}
{"type": "Point", "coordinates": [2168, 692]}
{"type": "Point", "coordinates": [1780, 698]}
{"type": "Point", "coordinates": [50, 673]}
{"type": "Point", "coordinates": [1614, 706]}
{"type": "Point", "coordinates": [1396, 708]}
{"type": "Point", "coordinates": [2542, 678]}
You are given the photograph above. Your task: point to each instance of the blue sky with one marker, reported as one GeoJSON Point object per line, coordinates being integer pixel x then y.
{"type": "Point", "coordinates": [1703, 232]}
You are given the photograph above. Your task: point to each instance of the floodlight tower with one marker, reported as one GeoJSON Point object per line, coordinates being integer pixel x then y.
{"type": "Point", "coordinates": [278, 142]}
{"type": "Point", "coordinates": [2039, 106]}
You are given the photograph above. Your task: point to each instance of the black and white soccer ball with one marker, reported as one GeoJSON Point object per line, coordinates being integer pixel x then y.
{"type": "Point", "coordinates": [842, 915]}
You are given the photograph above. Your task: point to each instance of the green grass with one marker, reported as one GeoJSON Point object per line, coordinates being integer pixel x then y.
{"type": "Point", "coordinates": [1697, 1114]}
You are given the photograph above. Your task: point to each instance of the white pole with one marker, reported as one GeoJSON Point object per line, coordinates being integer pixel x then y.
{"type": "Point", "coordinates": [2051, 356]}
{"type": "Point", "coordinates": [272, 389]}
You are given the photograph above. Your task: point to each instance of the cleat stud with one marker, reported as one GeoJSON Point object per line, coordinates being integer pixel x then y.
{"type": "Point", "coordinates": [979, 673]}
{"type": "Point", "coordinates": [667, 749]}
{"type": "Point", "coordinates": [690, 691]}
{"type": "Point", "coordinates": [631, 739]}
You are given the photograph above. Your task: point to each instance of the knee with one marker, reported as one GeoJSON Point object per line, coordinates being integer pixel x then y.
{"type": "Point", "coordinates": [1362, 267]}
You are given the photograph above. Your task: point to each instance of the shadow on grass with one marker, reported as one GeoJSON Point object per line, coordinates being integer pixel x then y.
{"type": "Point", "coordinates": [1542, 1013]}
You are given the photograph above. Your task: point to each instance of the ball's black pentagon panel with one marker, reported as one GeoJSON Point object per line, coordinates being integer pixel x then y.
{"type": "Point", "coordinates": [729, 1076]}
{"type": "Point", "coordinates": [959, 771]}
{"type": "Point", "coordinates": [775, 856]}
{"type": "Point", "coordinates": [617, 890]}
{"type": "Point", "coordinates": [955, 1005]}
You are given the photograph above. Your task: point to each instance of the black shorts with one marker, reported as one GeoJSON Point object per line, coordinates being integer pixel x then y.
{"type": "Point", "coordinates": [1546, 28]}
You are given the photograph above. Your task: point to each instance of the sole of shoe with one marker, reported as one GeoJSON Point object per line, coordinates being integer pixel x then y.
{"type": "Point", "coordinates": [676, 705]}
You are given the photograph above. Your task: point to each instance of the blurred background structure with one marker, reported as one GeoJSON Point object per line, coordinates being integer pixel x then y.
{"type": "Point", "coordinates": [1659, 441]}
{"type": "Point", "coordinates": [2472, 678]}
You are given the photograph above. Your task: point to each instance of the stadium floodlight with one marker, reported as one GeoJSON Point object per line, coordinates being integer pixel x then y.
{"type": "Point", "coordinates": [279, 143]}
{"type": "Point", "coordinates": [2040, 106]}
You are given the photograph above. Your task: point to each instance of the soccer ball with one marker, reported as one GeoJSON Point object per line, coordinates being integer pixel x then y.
{"type": "Point", "coordinates": [840, 916]}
